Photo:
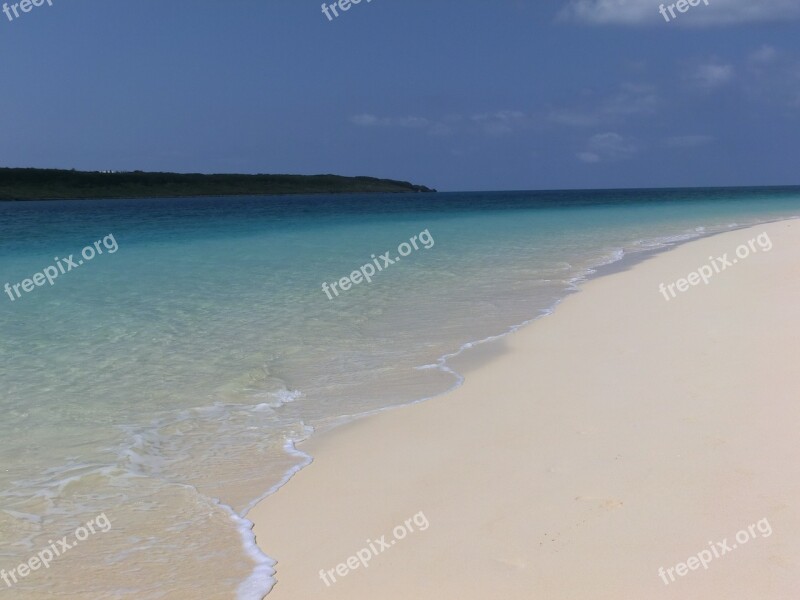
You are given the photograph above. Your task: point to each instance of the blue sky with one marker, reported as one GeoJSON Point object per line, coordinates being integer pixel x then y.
{"type": "Point", "coordinates": [455, 94]}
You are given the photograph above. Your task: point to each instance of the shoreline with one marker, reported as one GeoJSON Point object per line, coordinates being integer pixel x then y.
{"type": "Point", "coordinates": [474, 353]}
{"type": "Point", "coordinates": [261, 514]}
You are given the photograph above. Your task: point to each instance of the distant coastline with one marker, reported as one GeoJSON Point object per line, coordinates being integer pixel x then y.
{"type": "Point", "coordinates": [63, 184]}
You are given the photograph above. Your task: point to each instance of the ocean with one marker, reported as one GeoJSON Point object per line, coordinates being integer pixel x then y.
{"type": "Point", "coordinates": [165, 384]}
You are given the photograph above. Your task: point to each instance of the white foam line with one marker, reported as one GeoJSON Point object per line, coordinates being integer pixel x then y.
{"type": "Point", "coordinates": [262, 579]}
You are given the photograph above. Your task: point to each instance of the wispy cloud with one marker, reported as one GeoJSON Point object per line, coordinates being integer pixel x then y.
{"type": "Point", "coordinates": [772, 77]}
{"type": "Point", "coordinates": [688, 141]}
{"type": "Point", "coordinates": [764, 55]}
{"type": "Point", "coordinates": [496, 123]}
{"type": "Point", "coordinates": [645, 12]}
{"type": "Point", "coordinates": [501, 122]}
{"type": "Point", "coordinates": [605, 147]}
{"type": "Point", "coordinates": [712, 75]}
{"type": "Point", "coordinates": [630, 99]}
{"type": "Point", "coordinates": [573, 118]}
{"type": "Point", "coordinates": [616, 12]}
{"type": "Point", "coordinates": [368, 120]}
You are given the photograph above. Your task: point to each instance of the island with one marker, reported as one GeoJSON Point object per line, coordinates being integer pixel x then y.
{"type": "Point", "coordinates": [64, 184]}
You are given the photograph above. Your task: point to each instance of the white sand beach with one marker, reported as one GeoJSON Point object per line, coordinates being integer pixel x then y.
{"type": "Point", "coordinates": [617, 436]}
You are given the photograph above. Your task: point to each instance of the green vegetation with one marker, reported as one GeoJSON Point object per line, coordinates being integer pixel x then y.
{"type": "Point", "coordinates": [41, 184]}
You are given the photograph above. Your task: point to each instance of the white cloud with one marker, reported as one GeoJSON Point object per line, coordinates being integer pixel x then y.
{"type": "Point", "coordinates": [765, 54]}
{"type": "Point", "coordinates": [632, 99]}
{"type": "Point", "coordinates": [712, 75]}
{"type": "Point", "coordinates": [607, 146]}
{"type": "Point", "coordinates": [643, 12]}
{"type": "Point", "coordinates": [368, 120]}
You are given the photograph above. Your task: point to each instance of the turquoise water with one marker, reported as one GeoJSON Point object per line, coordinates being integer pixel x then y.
{"type": "Point", "coordinates": [164, 384]}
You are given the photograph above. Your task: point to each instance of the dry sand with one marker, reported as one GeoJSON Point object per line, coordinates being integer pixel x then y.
{"type": "Point", "coordinates": [618, 435]}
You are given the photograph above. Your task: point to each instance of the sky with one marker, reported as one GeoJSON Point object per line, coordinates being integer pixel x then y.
{"type": "Point", "coordinates": [454, 94]}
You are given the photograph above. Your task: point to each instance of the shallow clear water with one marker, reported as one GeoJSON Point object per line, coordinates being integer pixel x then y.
{"type": "Point", "coordinates": [163, 384]}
